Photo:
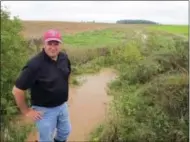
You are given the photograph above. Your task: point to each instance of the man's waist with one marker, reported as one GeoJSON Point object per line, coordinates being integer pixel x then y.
{"type": "Point", "coordinates": [48, 99]}
{"type": "Point", "coordinates": [48, 103]}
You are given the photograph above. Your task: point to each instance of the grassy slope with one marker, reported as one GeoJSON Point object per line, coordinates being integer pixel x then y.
{"type": "Point", "coordinates": [94, 39]}
{"type": "Point", "coordinates": [175, 29]}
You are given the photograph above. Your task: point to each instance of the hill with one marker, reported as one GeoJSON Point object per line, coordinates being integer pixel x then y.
{"type": "Point", "coordinates": [36, 28]}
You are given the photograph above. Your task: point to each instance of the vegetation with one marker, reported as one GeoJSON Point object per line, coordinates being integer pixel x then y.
{"type": "Point", "coordinates": [130, 21]}
{"type": "Point", "coordinates": [13, 56]}
{"type": "Point", "coordinates": [152, 104]}
{"type": "Point", "coordinates": [94, 39]}
{"type": "Point", "coordinates": [175, 29]}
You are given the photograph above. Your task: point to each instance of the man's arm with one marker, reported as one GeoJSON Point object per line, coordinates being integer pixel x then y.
{"type": "Point", "coordinates": [24, 82]}
{"type": "Point", "coordinates": [20, 99]}
{"type": "Point", "coordinates": [21, 103]}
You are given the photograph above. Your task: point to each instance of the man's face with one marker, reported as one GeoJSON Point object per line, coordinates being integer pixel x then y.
{"type": "Point", "coordinates": [52, 48]}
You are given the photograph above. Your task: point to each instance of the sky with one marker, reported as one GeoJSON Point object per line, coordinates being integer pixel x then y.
{"type": "Point", "coordinates": [164, 12]}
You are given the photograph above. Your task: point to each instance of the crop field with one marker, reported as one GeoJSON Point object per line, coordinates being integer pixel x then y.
{"type": "Point", "coordinates": [149, 95]}
{"type": "Point", "coordinates": [37, 28]}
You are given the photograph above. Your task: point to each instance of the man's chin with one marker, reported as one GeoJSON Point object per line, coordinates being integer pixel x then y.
{"type": "Point", "coordinates": [53, 56]}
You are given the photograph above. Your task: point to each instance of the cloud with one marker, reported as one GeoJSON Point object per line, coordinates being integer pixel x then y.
{"type": "Point", "coordinates": [166, 12]}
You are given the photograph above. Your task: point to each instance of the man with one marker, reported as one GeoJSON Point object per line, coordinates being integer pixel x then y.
{"type": "Point", "coordinates": [47, 76]}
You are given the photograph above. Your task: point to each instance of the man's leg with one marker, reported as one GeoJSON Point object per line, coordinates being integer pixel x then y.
{"type": "Point", "coordinates": [47, 124]}
{"type": "Point", "coordinates": [63, 124]}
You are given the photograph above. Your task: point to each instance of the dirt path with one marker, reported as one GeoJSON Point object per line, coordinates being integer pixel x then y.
{"type": "Point", "coordinates": [87, 105]}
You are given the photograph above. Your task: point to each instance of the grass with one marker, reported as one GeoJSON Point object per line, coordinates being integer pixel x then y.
{"type": "Point", "coordinates": [94, 39]}
{"type": "Point", "coordinates": [175, 29]}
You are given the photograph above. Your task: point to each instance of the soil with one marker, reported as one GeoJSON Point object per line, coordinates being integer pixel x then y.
{"type": "Point", "coordinates": [35, 29]}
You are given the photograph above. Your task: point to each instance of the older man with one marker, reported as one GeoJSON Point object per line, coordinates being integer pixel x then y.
{"type": "Point", "coordinates": [46, 75]}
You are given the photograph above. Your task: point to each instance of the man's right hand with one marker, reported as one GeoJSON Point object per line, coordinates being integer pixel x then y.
{"type": "Point", "coordinates": [33, 114]}
{"type": "Point", "coordinates": [21, 103]}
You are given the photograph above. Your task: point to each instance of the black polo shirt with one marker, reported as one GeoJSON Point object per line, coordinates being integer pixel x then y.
{"type": "Point", "coordinates": [47, 79]}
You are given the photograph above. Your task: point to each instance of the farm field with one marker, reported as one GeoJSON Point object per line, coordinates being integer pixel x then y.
{"type": "Point", "coordinates": [129, 81]}
{"type": "Point", "coordinates": [36, 28]}
{"type": "Point", "coordinates": [175, 29]}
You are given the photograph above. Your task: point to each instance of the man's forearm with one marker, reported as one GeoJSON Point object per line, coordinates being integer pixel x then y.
{"type": "Point", "coordinates": [21, 103]}
{"type": "Point", "coordinates": [20, 100]}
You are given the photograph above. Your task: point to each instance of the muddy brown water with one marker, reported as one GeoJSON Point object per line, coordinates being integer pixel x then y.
{"type": "Point", "coordinates": [88, 104]}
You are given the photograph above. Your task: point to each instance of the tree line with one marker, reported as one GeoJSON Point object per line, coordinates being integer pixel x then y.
{"type": "Point", "coordinates": [135, 21]}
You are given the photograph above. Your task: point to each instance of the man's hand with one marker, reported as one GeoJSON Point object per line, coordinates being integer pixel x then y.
{"type": "Point", "coordinates": [21, 103]}
{"type": "Point", "coordinates": [33, 114]}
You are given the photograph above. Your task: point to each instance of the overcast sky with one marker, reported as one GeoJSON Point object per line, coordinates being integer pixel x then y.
{"type": "Point", "coordinates": [165, 12]}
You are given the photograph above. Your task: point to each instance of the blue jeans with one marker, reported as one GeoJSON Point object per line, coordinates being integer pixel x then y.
{"type": "Point", "coordinates": [52, 119]}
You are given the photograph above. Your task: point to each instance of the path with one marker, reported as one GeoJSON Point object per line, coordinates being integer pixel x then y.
{"type": "Point", "coordinates": [87, 105]}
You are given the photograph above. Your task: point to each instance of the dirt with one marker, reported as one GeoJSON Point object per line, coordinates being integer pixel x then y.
{"type": "Point", "coordinates": [37, 28]}
{"type": "Point", "coordinates": [87, 105]}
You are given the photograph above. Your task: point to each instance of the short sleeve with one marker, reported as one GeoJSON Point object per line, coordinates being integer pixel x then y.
{"type": "Point", "coordinates": [26, 78]}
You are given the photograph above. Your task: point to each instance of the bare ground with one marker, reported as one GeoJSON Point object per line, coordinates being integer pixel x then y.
{"type": "Point", "coordinates": [36, 29]}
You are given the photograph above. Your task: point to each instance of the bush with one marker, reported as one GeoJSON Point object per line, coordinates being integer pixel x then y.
{"type": "Point", "coordinates": [152, 102]}
{"type": "Point", "coordinates": [13, 57]}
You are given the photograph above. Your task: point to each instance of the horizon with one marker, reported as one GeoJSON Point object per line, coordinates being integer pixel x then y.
{"type": "Point", "coordinates": [96, 22]}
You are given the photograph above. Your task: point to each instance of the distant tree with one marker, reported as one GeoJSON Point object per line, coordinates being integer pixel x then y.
{"type": "Point", "coordinates": [130, 21]}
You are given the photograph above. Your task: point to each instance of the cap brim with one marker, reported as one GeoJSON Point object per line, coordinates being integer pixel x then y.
{"type": "Point", "coordinates": [53, 39]}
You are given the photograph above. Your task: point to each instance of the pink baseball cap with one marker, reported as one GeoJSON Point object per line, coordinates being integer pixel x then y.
{"type": "Point", "coordinates": [52, 35]}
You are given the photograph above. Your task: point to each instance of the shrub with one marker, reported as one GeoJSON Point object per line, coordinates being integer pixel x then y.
{"type": "Point", "coordinates": [152, 102]}
{"type": "Point", "coordinates": [13, 57]}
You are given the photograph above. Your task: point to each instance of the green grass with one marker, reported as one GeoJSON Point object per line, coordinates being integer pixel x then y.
{"type": "Point", "coordinates": [94, 39]}
{"type": "Point", "coordinates": [175, 29]}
